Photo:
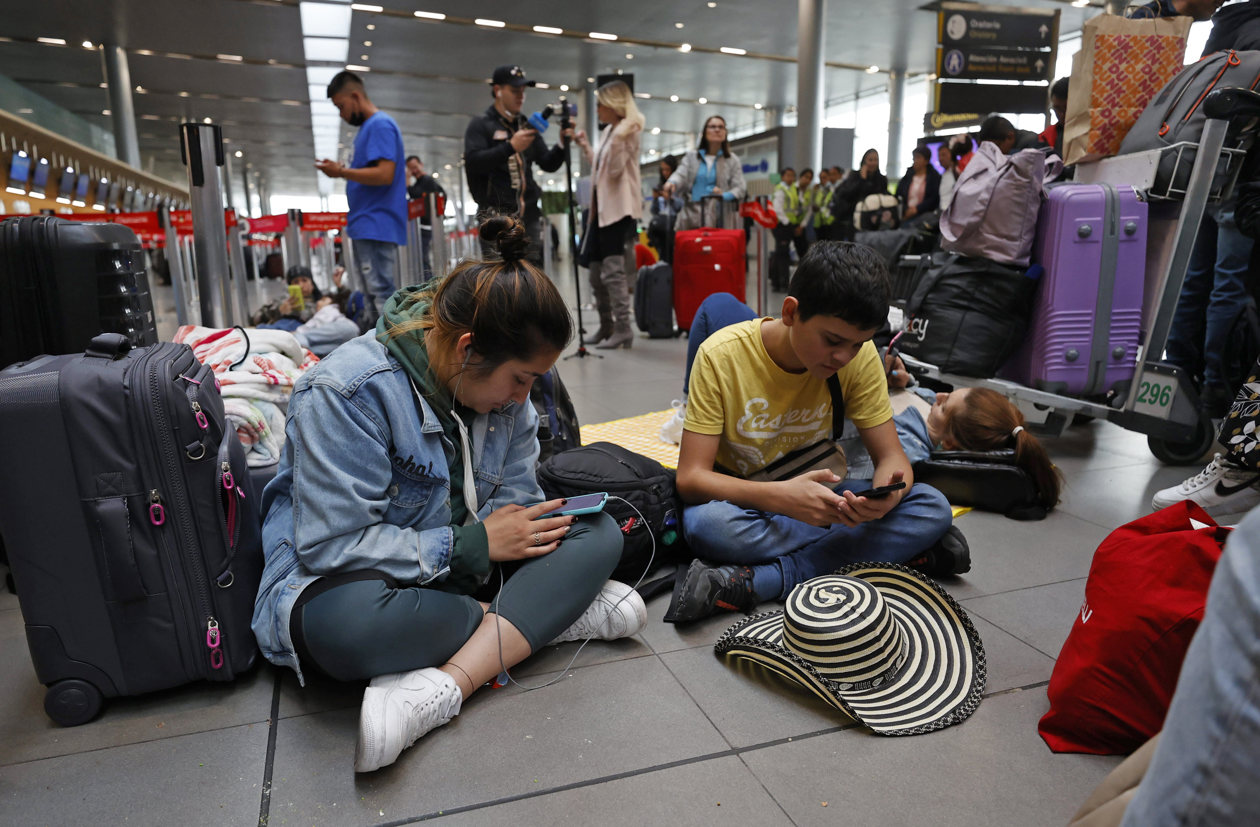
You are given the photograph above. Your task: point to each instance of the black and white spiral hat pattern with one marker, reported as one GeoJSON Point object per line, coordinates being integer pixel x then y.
{"type": "Point", "coordinates": [882, 643]}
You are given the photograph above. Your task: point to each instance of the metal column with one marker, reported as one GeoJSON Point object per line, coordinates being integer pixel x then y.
{"type": "Point", "coordinates": [201, 149]}
{"type": "Point", "coordinates": [811, 25]}
{"type": "Point", "coordinates": [439, 253]}
{"type": "Point", "coordinates": [122, 109]}
{"type": "Point", "coordinates": [240, 276]}
{"type": "Point", "coordinates": [896, 102]}
{"type": "Point", "coordinates": [291, 242]}
{"type": "Point", "coordinates": [175, 261]}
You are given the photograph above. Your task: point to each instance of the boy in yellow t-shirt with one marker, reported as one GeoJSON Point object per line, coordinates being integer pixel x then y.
{"type": "Point", "coordinates": [758, 391]}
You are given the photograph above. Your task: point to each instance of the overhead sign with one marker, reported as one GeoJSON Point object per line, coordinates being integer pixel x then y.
{"type": "Point", "coordinates": [969, 98]}
{"type": "Point", "coordinates": [962, 26]}
{"type": "Point", "coordinates": [935, 121]}
{"type": "Point", "coordinates": [993, 64]}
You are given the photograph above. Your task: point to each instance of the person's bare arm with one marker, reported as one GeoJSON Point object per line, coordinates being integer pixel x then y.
{"type": "Point", "coordinates": [381, 174]}
{"type": "Point", "coordinates": [891, 465]}
{"type": "Point", "coordinates": [807, 498]}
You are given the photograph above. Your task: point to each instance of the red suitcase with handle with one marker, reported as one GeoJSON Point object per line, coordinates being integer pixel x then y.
{"type": "Point", "coordinates": [706, 261]}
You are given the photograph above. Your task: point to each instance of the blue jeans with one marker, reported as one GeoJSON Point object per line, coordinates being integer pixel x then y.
{"type": "Point", "coordinates": [378, 262]}
{"type": "Point", "coordinates": [721, 532]}
{"type": "Point", "coordinates": [1213, 293]}
{"type": "Point", "coordinates": [714, 313]}
{"type": "Point", "coordinates": [1204, 768]}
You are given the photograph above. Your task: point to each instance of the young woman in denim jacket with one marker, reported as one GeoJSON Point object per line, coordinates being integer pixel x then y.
{"type": "Point", "coordinates": [407, 480]}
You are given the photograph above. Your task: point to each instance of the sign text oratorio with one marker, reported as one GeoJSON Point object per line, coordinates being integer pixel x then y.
{"type": "Point", "coordinates": [1032, 29]}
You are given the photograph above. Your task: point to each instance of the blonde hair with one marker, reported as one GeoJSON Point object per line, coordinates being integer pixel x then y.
{"type": "Point", "coordinates": [616, 95]}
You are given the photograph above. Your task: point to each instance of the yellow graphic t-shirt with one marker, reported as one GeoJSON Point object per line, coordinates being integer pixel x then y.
{"type": "Point", "coordinates": [761, 411]}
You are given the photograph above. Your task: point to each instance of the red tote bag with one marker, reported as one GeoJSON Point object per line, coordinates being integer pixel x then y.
{"type": "Point", "coordinates": [1144, 598]}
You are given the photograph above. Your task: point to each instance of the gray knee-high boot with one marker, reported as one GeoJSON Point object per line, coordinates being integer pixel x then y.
{"type": "Point", "coordinates": [613, 273]}
{"type": "Point", "coordinates": [602, 303]}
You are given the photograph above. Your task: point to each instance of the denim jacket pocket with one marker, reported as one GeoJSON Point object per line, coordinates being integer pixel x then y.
{"type": "Point", "coordinates": [408, 495]}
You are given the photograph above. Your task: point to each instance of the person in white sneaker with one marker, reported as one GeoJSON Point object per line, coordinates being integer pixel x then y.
{"type": "Point", "coordinates": [1223, 487]}
{"type": "Point", "coordinates": [406, 495]}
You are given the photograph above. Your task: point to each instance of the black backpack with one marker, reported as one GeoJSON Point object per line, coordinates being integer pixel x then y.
{"type": "Point", "coordinates": [558, 428]}
{"type": "Point", "coordinates": [642, 482]}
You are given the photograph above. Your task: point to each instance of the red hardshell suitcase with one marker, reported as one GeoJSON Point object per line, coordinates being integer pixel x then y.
{"type": "Point", "coordinates": [706, 261]}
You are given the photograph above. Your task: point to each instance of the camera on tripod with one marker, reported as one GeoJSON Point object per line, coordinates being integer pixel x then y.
{"type": "Point", "coordinates": [542, 118]}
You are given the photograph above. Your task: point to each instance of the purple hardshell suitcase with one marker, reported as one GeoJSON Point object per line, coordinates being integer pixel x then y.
{"type": "Point", "coordinates": [1086, 323]}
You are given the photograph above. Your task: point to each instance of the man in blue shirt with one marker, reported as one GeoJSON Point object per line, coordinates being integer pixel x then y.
{"type": "Point", "coordinates": [376, 186]}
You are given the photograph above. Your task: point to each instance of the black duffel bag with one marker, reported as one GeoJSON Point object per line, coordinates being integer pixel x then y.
{"type": "Point", "coordinates": [641, 482]}
{"type": "Point", "coordinates": [967, 315]}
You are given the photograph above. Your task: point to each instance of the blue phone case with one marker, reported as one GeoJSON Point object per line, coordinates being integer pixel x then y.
{"type": "Point", "coordinates": [590, 509]}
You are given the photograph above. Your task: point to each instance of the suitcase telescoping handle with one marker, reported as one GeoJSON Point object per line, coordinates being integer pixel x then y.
{"type": "Point", "coordinates": [109, 346]}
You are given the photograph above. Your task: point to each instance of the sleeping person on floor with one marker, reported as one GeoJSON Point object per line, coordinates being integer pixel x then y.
{"type": "Point", "coordinates": [763, 391]}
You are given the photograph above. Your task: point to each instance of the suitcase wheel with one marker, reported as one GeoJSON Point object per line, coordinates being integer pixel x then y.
{"type": "Point", "coordinates": [72, 702]}
{"type": "Point", "coordinates": [1190, 452]}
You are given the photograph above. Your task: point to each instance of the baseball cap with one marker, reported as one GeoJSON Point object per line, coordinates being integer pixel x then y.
{"type": "Point", "coordinates": [510, 76]}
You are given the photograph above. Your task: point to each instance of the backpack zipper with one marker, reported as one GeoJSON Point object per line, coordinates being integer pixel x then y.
{"type": "Point", "coordinates": [1190, 77]}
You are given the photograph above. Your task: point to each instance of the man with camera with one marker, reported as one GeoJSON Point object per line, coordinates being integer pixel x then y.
{"type": "Point", "coordinates": [499, 148]}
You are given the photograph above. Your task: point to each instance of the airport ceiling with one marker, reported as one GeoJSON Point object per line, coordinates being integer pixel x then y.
{"type": "Point", "coordinates": [242, 63]}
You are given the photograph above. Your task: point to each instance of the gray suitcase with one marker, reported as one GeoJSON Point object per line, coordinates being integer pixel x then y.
{"type": "Point", "coordinates": [130, 521]}
{"type": "Point", "coordinates": [654, 300]}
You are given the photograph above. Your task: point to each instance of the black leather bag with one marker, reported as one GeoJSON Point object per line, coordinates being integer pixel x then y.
{"type": "Point", "coordinates": [967, 315]}
{"type": "Point", "coordinates": [988, 480]}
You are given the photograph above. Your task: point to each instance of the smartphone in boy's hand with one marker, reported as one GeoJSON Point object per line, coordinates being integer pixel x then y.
{"type": "Point", "coordinates": [882, 491]}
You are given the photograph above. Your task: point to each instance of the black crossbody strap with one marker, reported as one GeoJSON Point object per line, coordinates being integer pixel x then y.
{"type": "Point", "coordinates": [837, 406]}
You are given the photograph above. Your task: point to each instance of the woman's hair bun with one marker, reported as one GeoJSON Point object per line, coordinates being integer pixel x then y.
{"type": "Point", "coordinates": [508, 234]}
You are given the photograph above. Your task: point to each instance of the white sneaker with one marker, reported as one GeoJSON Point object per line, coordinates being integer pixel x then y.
{"type": "Point", "coordinates": [672, 430]}
{"type": "Point", "coordinates": [1220, 488]}
{"type": "Point", "coordinates": [398, 709]}
{"type": "Point", "coordinates": [618, 611]}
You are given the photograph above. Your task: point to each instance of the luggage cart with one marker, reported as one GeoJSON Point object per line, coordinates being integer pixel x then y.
{"type": "Point", "coordinates": [1160, 401]}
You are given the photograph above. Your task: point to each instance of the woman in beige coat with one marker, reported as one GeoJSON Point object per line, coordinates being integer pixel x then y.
{"type": "Point", "coordinates": [616, 205]}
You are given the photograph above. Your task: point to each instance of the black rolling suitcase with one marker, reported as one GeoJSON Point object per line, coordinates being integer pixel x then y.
{"type": "Point", "coordinates": [654, 300]}
{"type": "Point", "coordinates": [131, 525]}
{"type": "Point", "coordinates": [62, 282]}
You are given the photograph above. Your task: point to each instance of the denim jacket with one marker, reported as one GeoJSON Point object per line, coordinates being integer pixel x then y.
{"type": "Point", "coordinates": [364, 484]}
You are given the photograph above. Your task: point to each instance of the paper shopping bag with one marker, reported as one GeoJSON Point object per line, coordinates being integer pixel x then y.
{"type": "Point", "coordinates": [1121, 66]}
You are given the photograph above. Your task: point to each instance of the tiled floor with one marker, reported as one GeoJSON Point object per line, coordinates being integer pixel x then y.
{"type": "Point", "coordinates": [651, 730]}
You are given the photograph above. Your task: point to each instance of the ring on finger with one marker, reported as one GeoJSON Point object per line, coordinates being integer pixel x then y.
{"type": "Point", "coordinates": [537, 539]}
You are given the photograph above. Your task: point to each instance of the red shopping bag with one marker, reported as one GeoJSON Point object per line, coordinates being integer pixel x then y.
{"type": "Point", "coordinates": [1115, 677]}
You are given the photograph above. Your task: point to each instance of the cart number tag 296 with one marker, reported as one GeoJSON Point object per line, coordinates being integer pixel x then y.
{"type": "Point", "coordinates": [1155, 395]}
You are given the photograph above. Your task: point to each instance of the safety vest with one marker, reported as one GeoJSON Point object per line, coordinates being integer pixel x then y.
{"type": "Point", "coordinates": [822, 207]}
{"type": "Point", "coordinates": [791, 202]}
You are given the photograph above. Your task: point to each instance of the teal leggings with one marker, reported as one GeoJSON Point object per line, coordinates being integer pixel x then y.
{"type": "Point", "coordinates": [358, 625]}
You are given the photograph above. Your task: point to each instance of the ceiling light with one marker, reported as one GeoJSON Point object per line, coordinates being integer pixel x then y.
{"type": "Point", "coordinates": [702, 100]}
{"type": "Point", "coordinates": [437, 175]}
{"type": "Point", "coordinates": [105, 112]}
{"type": "Point", "coordinates": [138, 51]}
{"type": "Point", "coordinates": [26, 111]}
{"type": "Point", "coordinates": [367, 7]}
{"type": "Point", "coordinates": [231, 58]}
{"type": "Point", "coordinates": [51, 41]}
{"type": "Point", "coordinates": [731, 50]}
{"type": "Point", "coordinates": [485, 21]}
{"type": "Point", "coordinates": [184, 95]}
{"type": "Point", "coordinates": [673, 98]}
{"type": "Point", "coordinates": [685, 47]}
{"type": "Point", "coordinates": [651, 152]}
{"type": "Point", "coordinates": [548, 30]}
{"type": "Point", "coordinates": [430, 15]}
{"type": "Point", "coordinates": [712, 5]}
{"type": "Point", "coordinates": [656, 130]}
{"type": "Point", "coordinates": [150, 118]}
{"type": "Point", "coordinates": [87, 44]}
{"type": "Point", "coordinates": [324, 19]}
{"type": "Point", "coordinates": [326, 49]}
{"type": "Point", "coordinates": [564, 87]}
{"type": "Point", "coordinates": [678, 25]}
{"type": "Point", "coordinates": [371, 27]}
{"type": "Point", "coordinates": [1080, 4]}
{"type": "Point", "coordinates": [629, 56]}
{"type": "Point", "coordinates": [870, 70]}
{"type": "Point", "coordinates": [590, 80]}
{"type": "Point", "coordinates": [602, 36]}
{"type": "Point", "coordinates": [363, 57]}
{"type": "Point", "coordinates": [367, 43]}
{"type": "Point", "coordinates": [756, 106]}
{"type": "Point", "coordinates": [446, 166]}
{"type": "Point", "coordinates": [551, 182]}
{"type": "Point", "coordinates": [350, 67]}
{"type": "Point", "coordinates": [239, 154]}
{"type": "Point", "coordinates": [643, 95]}
{"type": "Point", "coordinates": [102, 85]}
{"type": "Point", "coordinates": [540, 85]}
{"type": "Point", "coordinates": [140, 90]}
{"type": "Point", "coordinates": [206, 120]}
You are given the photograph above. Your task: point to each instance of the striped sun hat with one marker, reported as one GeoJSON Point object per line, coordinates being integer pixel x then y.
{"type": "Point", "coordinates": [880, 642]}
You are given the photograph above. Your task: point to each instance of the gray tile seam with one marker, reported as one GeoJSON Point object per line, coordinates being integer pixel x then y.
{"type": "Point", "coordinates": [766, 790]}
{"type": "Point", "coordinates": [737, 752]}
{"type": "Point", "coordinates": [273, 724]}
{"type": "Point", "coordinates": [965, 600]}
{"type": "Point", "coordinates": [1052, 655]}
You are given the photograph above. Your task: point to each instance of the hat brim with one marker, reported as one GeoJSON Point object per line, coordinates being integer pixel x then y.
{"type": "Point", "coordinates": [941, 684]}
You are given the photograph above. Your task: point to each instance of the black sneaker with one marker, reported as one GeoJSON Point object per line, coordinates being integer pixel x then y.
{"type": "Point", "coordinates": [706, 590]}
{"type": "Point", "coordinates": [949, 555]}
